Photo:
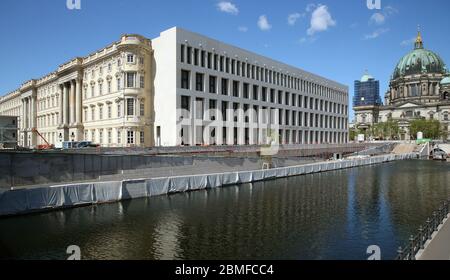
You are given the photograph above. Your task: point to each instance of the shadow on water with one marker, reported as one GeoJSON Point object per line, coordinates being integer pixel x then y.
{"type": "Point", "coordinates": [333, 215]}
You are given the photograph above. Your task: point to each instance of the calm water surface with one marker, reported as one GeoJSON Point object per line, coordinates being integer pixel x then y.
{"type": "Point", "coordinates": [333, 215]}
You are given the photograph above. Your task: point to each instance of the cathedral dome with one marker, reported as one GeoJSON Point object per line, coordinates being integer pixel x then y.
{"type": "Point", "coordinates": [419, 61]}
{"type": "Point", "coordinates": [445, 81]}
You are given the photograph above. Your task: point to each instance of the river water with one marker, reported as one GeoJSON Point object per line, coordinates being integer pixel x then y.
{"type": "Point", "coordinates": [332, 215]}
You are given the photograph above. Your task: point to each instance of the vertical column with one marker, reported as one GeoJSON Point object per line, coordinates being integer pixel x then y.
{"type": "Point", "coordinates": [28, 113]}
{"type": "Point", "coordinates": [33, 112]}
{"type": "Point", "coordinates": [78, 102]}
{"type": "Point", "coordinates": [61, 105]}
{"type": "Point", "coordinates": [23, 115]}
{"type": "Point", "coordinates": [66, 105]}
{"type": "Point", "coordinates": [72, 102]}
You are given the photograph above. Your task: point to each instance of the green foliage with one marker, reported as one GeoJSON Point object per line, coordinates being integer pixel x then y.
{"type": "Point", "coordinates": [386, 131]}
{"type": "Point", "coordinates": [431, 129]}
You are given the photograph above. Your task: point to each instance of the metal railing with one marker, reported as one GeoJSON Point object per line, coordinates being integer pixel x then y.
{"type": "Point", "coordinates": [417, 242]}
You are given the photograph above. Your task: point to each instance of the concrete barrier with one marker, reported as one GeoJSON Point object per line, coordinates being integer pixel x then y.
{"type": "Point", "coordinates": [13, 202]}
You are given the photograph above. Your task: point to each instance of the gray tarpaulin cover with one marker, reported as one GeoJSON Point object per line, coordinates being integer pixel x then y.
{"type": "Point", "coordinates": [35, 199]}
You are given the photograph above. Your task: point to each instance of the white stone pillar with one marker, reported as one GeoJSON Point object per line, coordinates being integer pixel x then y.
{"type": "Point", "coordinates": [23, 115]}
{"type": "Point", "coordinates": [61, 105]}
{"type": "Point", "coordinates": [28, 113]}
{"type": "Point", "coordinates": [78, 112]}
{"type": "Point", "coordinates": [72, 102]}
{"type": "Point", "coordinates": [32, 112]}
{"type": "Point", "coordinates": [66, 105]}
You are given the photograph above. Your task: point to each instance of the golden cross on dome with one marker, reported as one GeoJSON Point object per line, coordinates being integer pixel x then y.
{"type": "Point", "coordinates": [419, 42]}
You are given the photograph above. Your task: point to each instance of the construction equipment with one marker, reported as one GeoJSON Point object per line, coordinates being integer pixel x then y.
{"type": "Point", "coordinates": [47, 145]}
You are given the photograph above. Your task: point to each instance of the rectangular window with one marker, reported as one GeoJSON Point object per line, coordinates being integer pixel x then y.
{"type": "Point", "coordinates": [196, 57]}
{"type": "Point", "coordinates": [109, 136]}
{"type": "Point", "coordinates": [246, 89]}
{"type": "Point", "coordinates": [182, 53]}
{"type": "Point", "coordinates": [209, 60]}
{"type": "Point", "coordinates": [142, 137]}
{"type": "Point", "coordinates": [221, 63]}
{"type": "Point", "coordinates": [184, 79]}
{"type": "Point", "coordinates": [100, 136]}
{"type": "Point", "coordinates": [264, 94]}
{"type": "Point", "coordinates": [130, 107]}
{"type": "Point", "coordinates": [118, 84]}
{"type": "Point", "coordinates": [93, 114]}
{"type": "Point", "coordinates": [130, 137]}
{"type": "Point", "coordinates": [224, 86]}
{"type": "Point", "coordinates": [109, 86]}
{"type": "Point", "coordinates": [189, 55]}
{"type": "Point", "coordinates": [130, 58]}
{"type": "Point", "coordinates": [109, 111]}
{"type": "Point", "coordinates": [224, 110]}
{"type": "Point", "coordinates": [131, 79]}
{"type": "Point", "coordinates": [142, 82]}
{"type": "Point", "coordinates": [235, 88]}
{"type": "Point", "coordinates": [142, 108]}
{"type": "Point", "coordinates": [119, 136]}
{"type": "Point", "coordinates": [212, 84]}
{"type": "Point", "coordinates": [100, 89]}
{"type": "Point", "coordinates": [100, 113]}
{"type": "Point", "coordinates": [202, 58]}
{"type": "Point", "coordinates": [255, 92]}
{"type": "Point", "coordinates": [185, 103]}
{"type": "Point", "coordinates": [198, 82]}
{"type": "Point", "coordinates": [119, 110]}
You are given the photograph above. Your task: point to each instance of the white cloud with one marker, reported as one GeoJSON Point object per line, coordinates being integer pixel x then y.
{"type": "Point", "coordinates": [408, 42]}
{"type": "Point", "coordinates": [377, 18]}
{"type": "Point", "coordinates": [263, 23]}
{"type": "Point", "coordinates": [227, 7]}
{"type": "Point", "coordinates": [292, 18]}
{"type": "Point", "coordinates": [243, 28]}
{"type": "Point", "coordinates": [377, 33]}
{"type": "Point", "coordinates": [380, 18]}
{"type": "Point", "coordinates": [321, 20]}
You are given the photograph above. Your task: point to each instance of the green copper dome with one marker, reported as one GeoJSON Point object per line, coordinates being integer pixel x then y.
{"type": "Point", "coordinates": [419, 61]}
{"type": "Point", "coordinates": [445, 81]}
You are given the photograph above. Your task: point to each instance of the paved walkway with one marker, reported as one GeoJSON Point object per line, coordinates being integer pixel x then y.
{"type": "Point", "coordinates": [439, 246]}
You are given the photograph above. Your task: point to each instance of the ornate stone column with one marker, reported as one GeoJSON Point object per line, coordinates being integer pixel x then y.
{"type": "Point", "coordinates": [28, 113]}
{"type": "Point", "coordinates": [61, 105]}
{"type": "Point", "coordinates": [66, 105]}
{"type": "Point", "coordinates": [32, 111]}
{"type": "Point", "coordinates": [78, 101]}
{"type": "Point", "coordinates": [23, 115]}
{"type": "Point", "coordinates": [72, 102]}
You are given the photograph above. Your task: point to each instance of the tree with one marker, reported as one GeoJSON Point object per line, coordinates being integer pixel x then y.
{"type": "Point", "coordinates": [386, 130]}
{"type": "Point", "coordinates": [431, 129]}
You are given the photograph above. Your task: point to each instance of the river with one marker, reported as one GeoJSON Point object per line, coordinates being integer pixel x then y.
{"type": "Point", "coordinates": [331, 215]}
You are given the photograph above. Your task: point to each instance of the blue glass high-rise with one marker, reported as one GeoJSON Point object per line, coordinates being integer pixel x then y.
{"type": "Point", "coordinates": [367, 92]}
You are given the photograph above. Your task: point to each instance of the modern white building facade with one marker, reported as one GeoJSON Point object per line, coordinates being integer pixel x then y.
{"type": "Point", "coordinates": [180, 88]}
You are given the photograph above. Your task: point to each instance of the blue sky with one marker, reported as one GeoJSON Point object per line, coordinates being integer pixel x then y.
{"type": "Point", "coordinates": [336, 39]}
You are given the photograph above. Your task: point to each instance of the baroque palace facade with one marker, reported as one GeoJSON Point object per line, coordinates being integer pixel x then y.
{"type": "Point", "coordinates": [136, 92]}
{"type": "Point", "coordinates": [419, 88]}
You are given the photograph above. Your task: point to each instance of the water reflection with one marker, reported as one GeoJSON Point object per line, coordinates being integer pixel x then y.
{"type": "Point", "coordinates": [334, 215]}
